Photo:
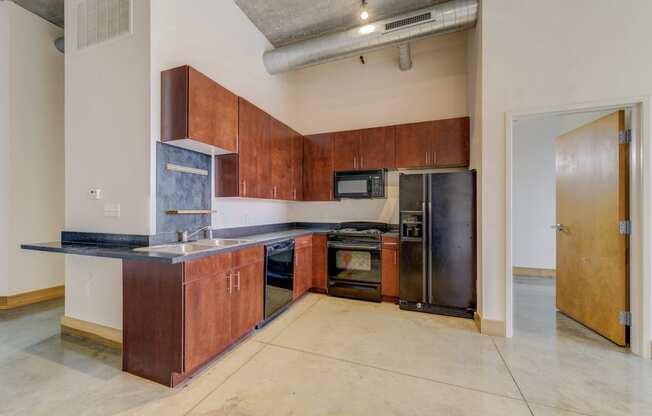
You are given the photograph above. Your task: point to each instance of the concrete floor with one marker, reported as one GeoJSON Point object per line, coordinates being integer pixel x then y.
{"type": "Point", "coordinates": [328, 356]}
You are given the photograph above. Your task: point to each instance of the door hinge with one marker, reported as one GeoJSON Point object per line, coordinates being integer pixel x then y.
{"type": "Point", "coordinates": [625, 227]}
{"type": "Point", "coordinates": [625, 137]}
{"type": "Point", "coordinates": [625, 318]}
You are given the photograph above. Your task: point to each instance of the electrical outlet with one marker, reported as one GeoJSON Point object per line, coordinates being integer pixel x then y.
{"type": "Point", "coordinates": [95, 193]}
{"type": "Point", "coordinates": [112, 210]}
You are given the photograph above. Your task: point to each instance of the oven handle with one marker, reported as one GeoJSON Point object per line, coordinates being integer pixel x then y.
{"type": "Point", "coordinates": [375, 247]}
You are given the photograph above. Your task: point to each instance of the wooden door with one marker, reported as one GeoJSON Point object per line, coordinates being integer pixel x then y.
{"type": "Point", "coordinates": [318, 168]}
{"type": "Point", "coordinates": [247, 299]}
{"type": "Point", "coordinates": [451, 142]}
{"type": "Point", "coordinates": [346, 147]}
{"type": "Point", "coordinates": [414, 145]}
{"type": "Point", "coordinates": [320, 263]}
{"type": "Point", "coordinates": [251, 124]}
{"type": "Point", "coordinates": [390, 268]}
{"type": "Point", "coordinates": [592, 195]}
{"type": "Point", "coordinates": [207, 318]}
{"type": "Point", "coordinates": [377, 148]}
{"type": "Point", "coordinates": [297, 167]}
{"type": "Point", "coordinates": [281, 160]}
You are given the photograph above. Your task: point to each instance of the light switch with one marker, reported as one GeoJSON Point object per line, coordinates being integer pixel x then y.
{"type": "Point", "coordinates": [95, 193]}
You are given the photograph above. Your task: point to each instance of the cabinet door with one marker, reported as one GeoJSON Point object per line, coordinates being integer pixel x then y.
{"type": "Point", "coordinates": [302, 271]}
{"type": "Point", "coordinates": [207, 318]}
{"type": "Point", "coordinates": [390, 268]}
{"type": "Point", "coordinates": [377, 148]}
{"type": "Point", "coordinates": [318, 168]}
{"type": "Point", "coordinates": [246, 299]}
{"type": "Point", "coordinates": [414, 145]}
{"type": "Point", "coordinates": [319, 263]}
{"type": "Point", "coordinates": [346, 149]}
{"type": "Point", "coordinates": [297, 167]}
{"type": "Point", "coordinates": [281, 159]}
{"type": "Point", "coordinates": [264, 188]}
{"type": "Point", "coordinates": [251, 125]}
{"type": "Point", "coordinates": [451, 146]}
{"type": "Point", "coordinates": [212, 112]}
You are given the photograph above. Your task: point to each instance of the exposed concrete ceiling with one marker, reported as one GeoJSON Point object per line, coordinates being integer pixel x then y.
{"type": "Point", "coordinates": [288, 21]}
{"type": "Point", "coordinates": [50, 10]}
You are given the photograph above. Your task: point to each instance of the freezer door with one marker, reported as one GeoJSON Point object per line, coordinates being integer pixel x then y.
{"type": "Point", "coordinates": [452, 263]}
{"type": "Point", "coordinates": [411, 272]}
{"type": "Point", "coordinates": [410, 192]}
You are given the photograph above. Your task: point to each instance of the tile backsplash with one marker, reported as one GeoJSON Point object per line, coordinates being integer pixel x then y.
{"type": "Point", "coordinates": [181, 190]}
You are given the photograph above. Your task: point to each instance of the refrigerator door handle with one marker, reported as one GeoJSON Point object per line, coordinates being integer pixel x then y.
{"type": "Point", "coordinates": [429, 242]}
{"type": "Point", "coordinates": [424, 244]}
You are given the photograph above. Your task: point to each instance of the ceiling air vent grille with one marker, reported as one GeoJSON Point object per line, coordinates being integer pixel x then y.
{"type": "Point", "coordinates": [101, 20]}
{"type": "Point", "coordinates": [408, 21]}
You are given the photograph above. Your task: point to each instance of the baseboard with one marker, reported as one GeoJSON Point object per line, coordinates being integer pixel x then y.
{"type": "Point", "coordinates": [29, 298]}
{"type": "Point", "coordinates": [104, 335]}
{"type": "Point", "coordinates": [489, 327]}
{"type": "Point", "coordinates": [533, 272]}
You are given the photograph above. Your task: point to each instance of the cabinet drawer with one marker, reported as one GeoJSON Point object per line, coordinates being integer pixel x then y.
{"type": "Point", "coordinates": [301, 242]}
{"type": "Point", "coordinates": [248, 256]}
{"type": "Point", "coordinates": [390, 243]}
{"type": "Point", "coordinates": [208, 266]}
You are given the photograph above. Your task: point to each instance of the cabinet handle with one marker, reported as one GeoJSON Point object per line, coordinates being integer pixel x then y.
{"type": "Point", "coordinates": [228, 281]}
{"type": "Point", "coordinates": [274, 192]}
{"type": "Point", "coordinates": [426, 158]}
{"type": "Point", "coordinates": [294, 193]}
{"type": "Point", "coordinates": [434, 158]}
{"type": "Point", "coordinates": [238, 282]}
{"type": "Point", "coordinates": [244, 187]}
{"type": "Point", "coordinates": [395, 259]}
{"type": "Point", "coordinates": [361, 162]}
{"type": "Point", "coordinates": [355, 162]}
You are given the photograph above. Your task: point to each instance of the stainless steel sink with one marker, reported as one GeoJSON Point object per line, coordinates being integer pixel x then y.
{"type": "Point", "coordinates": [191, 248]}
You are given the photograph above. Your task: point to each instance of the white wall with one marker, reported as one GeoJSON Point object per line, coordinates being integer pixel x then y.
{"type": "Point", "coordinates": [33, 168]}
{"type": "Point", "coordinates": [534, 190]}
{"type": "Point", "coordinates": [4, 146]}
{"type": "Point", "coordinates": [108, 145]}
{"type": "Point", "coordinates": [548, 53]}
{"type": "Point", "coordinates": [346, 95]}
{"type": "Point", "coordinates": [217, 38]}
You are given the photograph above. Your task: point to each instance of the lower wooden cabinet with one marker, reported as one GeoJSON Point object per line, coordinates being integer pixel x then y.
{"type": "Point", "coordinates": [302, 266]}
{"type": "Point", "coordinates": [178, 317]}
{"type": "Point", "coordinates": [390, 268]}
{"type": "Point", "coordinates": [320, 263]}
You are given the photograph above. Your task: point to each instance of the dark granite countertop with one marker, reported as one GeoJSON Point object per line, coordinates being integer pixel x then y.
{"type": "Point", "coordinates": [125, 252]}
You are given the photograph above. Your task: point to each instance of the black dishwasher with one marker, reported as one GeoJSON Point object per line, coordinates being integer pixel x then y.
{"type": "Point", "coordinates": [279, 276]}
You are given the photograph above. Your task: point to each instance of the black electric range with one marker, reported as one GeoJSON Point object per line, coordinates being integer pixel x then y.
{"type": "Point", "coordinates": [354, 260]}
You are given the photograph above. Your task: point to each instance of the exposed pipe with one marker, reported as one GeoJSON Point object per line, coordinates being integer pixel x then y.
{"type": "Point", "coordinates": [404, 56]}
{"type": "Point", "coordinates": [452, 16]}
{"type": "Point", "coordinates": [60, 44]}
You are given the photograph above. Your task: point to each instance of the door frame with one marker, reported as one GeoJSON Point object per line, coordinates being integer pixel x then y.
{"type": "Point", "coordinates": [640, 281]}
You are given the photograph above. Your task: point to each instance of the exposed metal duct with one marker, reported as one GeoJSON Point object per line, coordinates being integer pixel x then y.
{"type": "Point", "coordinates": [404, 56]}
{"type": "Point", "coordinates": [60, 44]}
{"type": "Point", "coordinates": [451, 16]}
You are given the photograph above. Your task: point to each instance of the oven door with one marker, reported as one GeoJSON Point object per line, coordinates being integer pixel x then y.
{"type": "Point", "coordinates": [354, 261]}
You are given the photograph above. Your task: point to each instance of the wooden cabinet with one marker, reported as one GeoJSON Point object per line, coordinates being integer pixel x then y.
{"type": "Point", "coordinates": [320, 263]}
{"type": "Point", "coordinates": [302, 266]}
{"type": "Point", "coordinates": [451, 144]}
{"type": "Point", "coordinates": [254, 159]}
{"type": "Point", "coordinates": [390, 268]}
{"type": "Point", "coordinates": [414, 145]}
{"type": "Point", "coordinates": [441, 144]}
{"type": "Point", "coordinates": [346, 150]}
{"type": "Point", "coordinates": [281, 171]}
{"type": "Point", "coordinates": [364, 149]}
{"type": "Point", "coordinates": [178, 317]}
{"type": "Point", "coordinates": [318, 168]}
{"type": "Point", "coordinates": [197, 108]}
{"type": "Point", "coordinates": [296, 163]}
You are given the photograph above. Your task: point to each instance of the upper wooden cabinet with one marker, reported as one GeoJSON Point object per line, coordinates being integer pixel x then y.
{"type": "Point", "coordinates": [440, 144]}
{"type": "Point", "coordinates": [364, 149]}
{"type": "Point", "coordinates": [318, 167]}
{"type": "Point", "coordinates": [254, 154]}
{"type": "Point", "coordinates": [194, 107]}
{"type": "Point", "coordinates": [281, 169]}
{"type": "Point", "coordinates": [297, 166]}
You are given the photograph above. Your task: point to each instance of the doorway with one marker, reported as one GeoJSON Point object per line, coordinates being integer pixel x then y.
{"type": "Point", "coordinates": [584, 303]}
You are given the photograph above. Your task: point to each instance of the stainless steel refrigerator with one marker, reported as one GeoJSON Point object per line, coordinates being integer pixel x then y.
{"type": "Point", "coordinates": [438, 243]}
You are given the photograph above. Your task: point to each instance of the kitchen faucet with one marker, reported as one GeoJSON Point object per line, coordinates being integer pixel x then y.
{"type": "Point", "coordinates": [185, 236]}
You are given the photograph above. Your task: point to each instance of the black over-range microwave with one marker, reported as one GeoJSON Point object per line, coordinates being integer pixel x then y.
{"type": "Point", "coordinates": [359, 184]}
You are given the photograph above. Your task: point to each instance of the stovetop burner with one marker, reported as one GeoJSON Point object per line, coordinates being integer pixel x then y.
{"type": "Point", "coordinates": [369, 229]}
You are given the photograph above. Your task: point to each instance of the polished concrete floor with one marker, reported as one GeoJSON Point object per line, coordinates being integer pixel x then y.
{"type": "Point", "coordinates": [328, 356]}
